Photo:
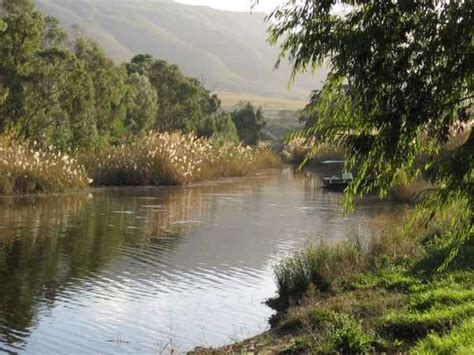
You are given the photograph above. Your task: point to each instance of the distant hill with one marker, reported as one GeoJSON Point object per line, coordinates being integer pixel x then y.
{"type": "Point", "coordinates": [226, 50]}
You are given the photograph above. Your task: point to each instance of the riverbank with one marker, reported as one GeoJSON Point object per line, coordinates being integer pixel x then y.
{"type": "Point", "coordinates": [386, 295]}
{"type": "Point", "coordinates": [156, 159]}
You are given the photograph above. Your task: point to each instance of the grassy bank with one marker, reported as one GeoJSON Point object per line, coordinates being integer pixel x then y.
{"type": "Point", "coordinates": [156, 159]}
{"type": "Point", "coordinates": [385, 295]}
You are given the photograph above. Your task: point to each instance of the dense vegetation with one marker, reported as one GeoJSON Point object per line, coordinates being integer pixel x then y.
{"type": "Point", "coordinates": [62, 96]}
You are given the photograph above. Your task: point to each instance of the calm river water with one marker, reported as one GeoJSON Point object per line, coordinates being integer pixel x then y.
{"type": "Point", "coordinates": [150, 269]}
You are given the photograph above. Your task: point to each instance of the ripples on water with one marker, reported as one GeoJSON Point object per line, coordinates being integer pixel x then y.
{"type": "Point", "coordinates": [148, 269]}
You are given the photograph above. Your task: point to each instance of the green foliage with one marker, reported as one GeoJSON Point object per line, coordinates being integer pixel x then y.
{"type": "Point", "coordinates": [108, 88]}
{"type": "Point", "coordinates": [400, 84]}
{"type": "Point", "coordinates": [350, 338]}
{"type": "Point", "coordinates": [447, 296]}
{"type": "Point", "coordinates": [386, 278]}
{"type": "Point", "coordinates": [183, 103]}
{"type": "Point", "coordinates": [142, 103]}
{"type": "Point", "coordinates": [331, 331]}
{"type": "Point", "coordinates": [249, 122]}
{"type": "Point", "coordinates": [301, 344]}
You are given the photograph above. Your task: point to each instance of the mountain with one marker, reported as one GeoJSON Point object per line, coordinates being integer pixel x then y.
{"type": "Point", "coordinates": [228, 51]}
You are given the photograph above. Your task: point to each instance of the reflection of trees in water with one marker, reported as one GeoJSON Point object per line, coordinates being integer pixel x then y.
{"type": "Point", "coordinates": [51, 245]}
{"type": "Point", "coordinates": [35, 217]}
{"type": "Point", "coordinates": [30, 237]}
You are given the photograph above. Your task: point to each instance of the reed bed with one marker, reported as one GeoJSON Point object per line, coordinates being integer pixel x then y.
{"type": "Point", "coordinates": [27, 168]}
{"type": "Point", "coordinates": [173, 159]}
{"type": "Point", "coordinates": [156, 159]}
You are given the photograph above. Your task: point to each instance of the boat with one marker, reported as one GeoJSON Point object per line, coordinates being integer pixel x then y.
{"type": "Point", "coordinates": [337, 182]}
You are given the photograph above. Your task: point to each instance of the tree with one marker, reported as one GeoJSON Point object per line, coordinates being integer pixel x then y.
{"type": "Point", "coordinates": [249, 122]}
{"type": "Point", "coordinates": [109, 89]}
{"type": "Point", "coordinates": [409, 70]}
{"type": "Point", "coordinates": [142, 106]}
{"type": "Point", "coordinates": [22, 32]}
{"type": "Point", "coordinates": [182, 103]}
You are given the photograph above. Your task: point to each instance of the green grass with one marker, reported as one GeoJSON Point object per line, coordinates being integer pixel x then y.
{"type": "Point", "coordinates": [460, 340]}
{"type": "Point", "coordinates": [415, 325]}
{"type": "Point", "coordinates": [441, 296]}
{"type": "Point", "coordinates": [329, 331]}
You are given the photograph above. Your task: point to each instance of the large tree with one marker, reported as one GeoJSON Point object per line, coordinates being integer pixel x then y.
{"type": "Point", "coordinates": [249, 122]}
{"type": "Point", "coordinates": [408, 68]}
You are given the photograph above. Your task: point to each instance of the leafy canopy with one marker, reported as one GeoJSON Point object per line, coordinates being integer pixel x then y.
{"type": "Point", "coordinates": [400, 86]}
{"type": "Point", "coordinates": [249, 122]}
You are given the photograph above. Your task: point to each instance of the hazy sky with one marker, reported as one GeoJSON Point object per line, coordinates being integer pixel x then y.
{"type": "Point", "coordinates": [235, 5]}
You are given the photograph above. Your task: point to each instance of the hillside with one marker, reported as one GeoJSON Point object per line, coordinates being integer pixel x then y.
{"type": "Point", "coordinates": [226, 50]}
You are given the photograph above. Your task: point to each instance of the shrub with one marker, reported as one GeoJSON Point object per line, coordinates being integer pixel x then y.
{"type": "Point", "coordinates": [26, 168]}
{"type": "Point", "coordinates": [350, 338]}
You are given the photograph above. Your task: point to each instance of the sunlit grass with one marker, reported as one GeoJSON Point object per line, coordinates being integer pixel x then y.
{"type": "Point", "coordinates": [27, 168]}
{"type": "Point", "coordinates": [173, 158]}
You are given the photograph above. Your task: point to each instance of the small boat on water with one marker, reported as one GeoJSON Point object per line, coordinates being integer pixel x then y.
{"type": "Point", "coordinates": [337, 182]}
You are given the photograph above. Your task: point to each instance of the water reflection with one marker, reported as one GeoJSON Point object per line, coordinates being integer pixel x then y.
{"type": "Point", "coordinates": [127, 270]}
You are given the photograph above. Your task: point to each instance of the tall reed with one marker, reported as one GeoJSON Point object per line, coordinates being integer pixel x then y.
{"type": "Point", "coordinates": [27, 168]}
{"type": "Point", "coordinates": [173, 158]}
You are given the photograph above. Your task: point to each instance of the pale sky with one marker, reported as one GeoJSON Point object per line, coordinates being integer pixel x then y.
{"type": "Point", "coordinates": [236, 5]}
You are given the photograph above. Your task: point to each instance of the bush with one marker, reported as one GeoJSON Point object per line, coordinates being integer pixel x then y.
{"type": "Point", "coordinates": [350, 338]}
{"type": "Point", "coordinates": [26, 168]}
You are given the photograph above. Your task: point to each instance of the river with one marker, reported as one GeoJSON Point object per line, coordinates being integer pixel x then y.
{"type": "Point", "coordinates": [127, 270]}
